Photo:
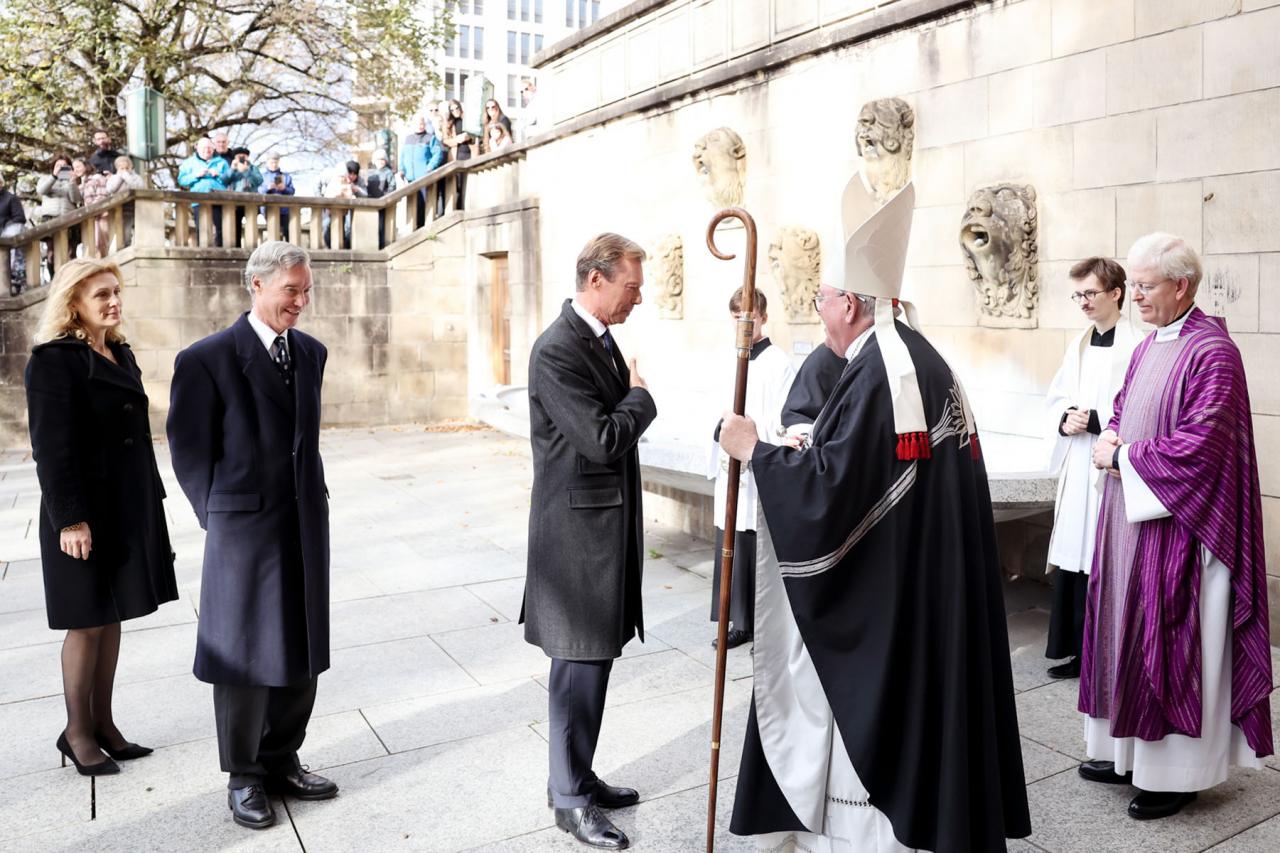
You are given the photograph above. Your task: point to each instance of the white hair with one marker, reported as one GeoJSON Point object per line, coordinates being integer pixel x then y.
{"type": "Point", "coordinates": [270, 257]}
{"type": "Point", "coordinates": [1167, 254]}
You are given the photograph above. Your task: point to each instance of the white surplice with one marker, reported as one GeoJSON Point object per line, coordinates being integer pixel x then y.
{"type": "Point", "coordinates": [1178, 762]}
{"type": "Point", "coordinates": [1089, 378]}
{"type": "Point", "coordinates": [769, 379]}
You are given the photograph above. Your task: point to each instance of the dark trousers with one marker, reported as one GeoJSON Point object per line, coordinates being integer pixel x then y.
{"type": "Point", "coordinates": [576, 689]}
{"type": "Point", "coordinates": [742, 588]}
{"type": "Point", "coordinates": [261, 728]}
{"type": "Point", "coordinates": [1066, 618]}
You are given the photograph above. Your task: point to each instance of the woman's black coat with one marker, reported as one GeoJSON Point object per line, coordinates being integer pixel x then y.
{"type": "Point", "coordinates": [95, 462]}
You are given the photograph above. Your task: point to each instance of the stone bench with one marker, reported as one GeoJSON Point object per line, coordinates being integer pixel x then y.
{"type": "Point", "coordinates": [1019, 485]}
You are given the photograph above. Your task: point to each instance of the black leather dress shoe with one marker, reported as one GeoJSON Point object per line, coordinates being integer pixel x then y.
{"type": "Point", "coordinates": [734, 638]}
{"type": "Point", "coordinates": [1104, 772]}
{"type": "Point", "coordinates": [589, 825]}
{"type": "Point", "coordinates": [1153, 805]}
{"type": "Point", "coordinates": [607, 796]}
{"type": "Point", "coordinates": [301, 785]}
{"type": "Point", "coordinates": [1070, 669]}
{"type": "Point", "coordinates": [250, 807]}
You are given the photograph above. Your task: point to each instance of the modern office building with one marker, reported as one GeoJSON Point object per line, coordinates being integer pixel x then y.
{"type": "Point", "coordinates": [498, 38]}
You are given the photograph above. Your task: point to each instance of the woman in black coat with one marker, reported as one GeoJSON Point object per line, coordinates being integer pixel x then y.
{"type": "Point", "coordinates": [104, 544]}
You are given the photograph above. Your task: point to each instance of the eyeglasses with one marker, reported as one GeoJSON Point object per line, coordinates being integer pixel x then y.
{"type": "Point", "coordinates": [1085, 296]}
{"type": "Point", "coordinates": [819, 299]}
{"type": "Point", "coordinates": [1143, 288]}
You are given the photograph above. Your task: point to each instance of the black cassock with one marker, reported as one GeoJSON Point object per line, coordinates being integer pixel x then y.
{"type": "Point", "coordinates": [891, 573]}
{"type": "Point", "coordinates": [814, 382]}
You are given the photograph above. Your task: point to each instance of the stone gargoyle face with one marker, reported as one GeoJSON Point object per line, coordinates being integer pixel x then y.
{"type": "Point", "coordinates": [667, 270]}
{"type": "Point", "coordinates": [886, 133]}
{"type": "Point", "coordinates": [795, 258]}
{"type": "Point", "coordinates": [998, 238]}
{"type": "Point", "coordinates": [720, 159]}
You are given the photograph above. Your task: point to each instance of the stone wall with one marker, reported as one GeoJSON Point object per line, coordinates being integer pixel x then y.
{"type": "Point", "coordinates": [1126, 116]}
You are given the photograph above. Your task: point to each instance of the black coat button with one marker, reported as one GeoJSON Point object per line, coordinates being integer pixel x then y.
{"type": "Point", "coordinates": [128, 442]}
{"type": "Point", "coordinates": [128, 407]}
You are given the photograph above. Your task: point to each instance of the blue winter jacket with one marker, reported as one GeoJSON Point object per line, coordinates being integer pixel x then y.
{"type": "Point", "coordinates": [421, 154]}
{"type": "Point", "coordinates": [190, 177]}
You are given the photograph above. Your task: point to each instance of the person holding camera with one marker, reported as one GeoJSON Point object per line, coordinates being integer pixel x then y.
{"type": "Point", "coordinates": [59, 193]}
{"type": "Point", "coordinates": [244, 177]}
{"type": "Point", "coordinates": [276, 181]}
{"type": "Point", "coordinates": [204, 172]}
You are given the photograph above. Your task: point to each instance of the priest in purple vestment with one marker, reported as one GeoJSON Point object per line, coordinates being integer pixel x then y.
{"type": "Point", "coordinates": [1176, 666]}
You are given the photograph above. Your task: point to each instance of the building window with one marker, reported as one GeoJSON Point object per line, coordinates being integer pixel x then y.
{"type": "Point", "coordinates": [513, 92]}
{"type": "Point", "coordinates": [464, 6]}
{"type": "Point", "coordinates": [477, 6]}
{"type": "Point", "coordinates": [477, 45]}
{"type": "Point", "coordinates": [537, 43]}
{"type": "Point", "coordinates": [524, 48]}
{"type": "Point", "coordinates": [595, 10]}
{"type": "Point", "coordinates": [462, 88]}
{"type": "Point", "coordinates": [537, 11]}
{"type": "Point", "coordinates": [464, 41]}
{"type": "Point", "coordinates": [449, 80]}
{"type": "Point", "coordinates": [511, 10]}
{"type": "Point", "coordinates": [582, 13]}
{"type": "Point", "coordinates": [568, 13]}
{"type": "Point", "coordinates": [448, 48]}
{"type": "Point", "coordinates": [524, 10]}
{"type": "Point", "coordinates": [511, 47]}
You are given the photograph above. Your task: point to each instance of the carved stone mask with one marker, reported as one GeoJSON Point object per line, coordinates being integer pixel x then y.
{"type": "Point", "coordinates": [795, 258]}
{"type": "Point", "coordinates": [886, 133]}
{"type": "Point", "coordinates": [667, 271]}
{"type": "Point", "coordinates": [998, 238]}
{"type": "Point", "coordinates": [720, 159]}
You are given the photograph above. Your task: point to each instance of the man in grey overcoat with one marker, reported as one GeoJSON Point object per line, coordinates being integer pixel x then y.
{"type": "Point", "coordinates": [244, 437]}
{"type": "Point", "coordinates": [587, 410]}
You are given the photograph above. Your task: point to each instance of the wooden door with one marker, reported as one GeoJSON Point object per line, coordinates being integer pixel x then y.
{"type": "Point", "coordinates": [500, 320]}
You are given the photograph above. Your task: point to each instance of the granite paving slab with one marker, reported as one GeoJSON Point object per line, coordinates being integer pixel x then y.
{"type": "Point", "coordinates": [413, 614]}
{"type": "Point", "coordinates": [681, 621]}
{"type": "Point", "coordinates": [1069, 814]}
{"type": "Point", "coordinates": [1263, 838]}
{"type": "Point", "coordinates": [647, 676]}
{"type": "Point", "coordinates": [1040, 762]}
{"type": "Point", "coordinates": [676, 822]}
{"type": "Point", "coordinates": [441, 798]}
{"type": "Point", "coordinates": [1048, 716]}
{"type": "Point", "coordinates": [505, 596]}
{"type": "Point", "coordinates": [384, 672]}
{"type": "Point", "coordinates": [22, 589]}
{"type": "Point", "coordinates": [418, 572]}
{"type": "Point", "coordinates": [466, 713]}
{"type": "Point", "coordinates": [1029, 667]}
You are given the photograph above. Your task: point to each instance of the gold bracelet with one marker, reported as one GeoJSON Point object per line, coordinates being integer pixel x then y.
{"type": "Point", "coordinates": [71, 527]}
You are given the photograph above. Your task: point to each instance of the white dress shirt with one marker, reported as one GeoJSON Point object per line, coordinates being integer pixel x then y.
{"type": "Point", "coordinates": [268, 335]}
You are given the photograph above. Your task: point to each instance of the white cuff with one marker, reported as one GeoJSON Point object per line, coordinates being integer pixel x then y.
{"type": "Point", "coordinates": [1140, 503]}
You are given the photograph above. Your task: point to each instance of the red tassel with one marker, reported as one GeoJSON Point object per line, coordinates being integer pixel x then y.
{"type": "Point", "coordinates": [974, 450]}
{"type": "Point", "coordinates": [914, 445]}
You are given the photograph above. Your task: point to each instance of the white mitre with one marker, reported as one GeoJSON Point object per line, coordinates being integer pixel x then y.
{"type": "Point", "coordinates": [875, 240]}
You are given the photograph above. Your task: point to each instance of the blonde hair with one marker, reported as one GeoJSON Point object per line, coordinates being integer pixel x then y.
{"type": "Point", "coordinates": [60, 319]}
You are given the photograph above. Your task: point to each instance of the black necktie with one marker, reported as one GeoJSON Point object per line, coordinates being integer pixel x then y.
{"type": "Point", "coordinates": [607, 340]}
{"type": "Point", "coordinates": [280, 352]}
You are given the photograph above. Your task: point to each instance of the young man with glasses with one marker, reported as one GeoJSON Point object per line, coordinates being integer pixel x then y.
{"type": "Point", "coordinates": [1078, 405]}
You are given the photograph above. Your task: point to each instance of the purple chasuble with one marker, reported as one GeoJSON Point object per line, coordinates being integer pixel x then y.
{"type": "Point", "coordinates": [1184, 412]}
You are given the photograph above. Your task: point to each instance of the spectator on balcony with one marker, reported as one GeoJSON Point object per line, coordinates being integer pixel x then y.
{"type": "Point", "coordinates": [276, 181]}
{"type": "Point", "coordinates": [124, 180]}
{"type": "Point", "coordinates": [459, 142]}
{"type": "Point", "coordinates": [379, 182]}
{"type": "Point", "coordinates": [347, 184]}
{"type": "Point", "coordinates": [244, 177]}
{"type": "Point", "coordinates": [497, 138]}
{"type": "Point", "coordinates": [493, 115]}
{"type": "Point", "coordinates": [420, 155]}
{"type": "Point", "coordinates": [59, 193]}
{"type": "Point", "coordinates": [103, 158]}
{"type": "Point", "coordinates": [203, 172]}
{"type": "Point", "coordinates": [12, 220]}
{"type": "Point", "coordinates": [93, 187]}
{"type": "Point", "coordinates": [222, 146]}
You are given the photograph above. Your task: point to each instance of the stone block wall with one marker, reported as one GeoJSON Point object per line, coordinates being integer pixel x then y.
{"type": "Point", "coordinates": [1127, 116]}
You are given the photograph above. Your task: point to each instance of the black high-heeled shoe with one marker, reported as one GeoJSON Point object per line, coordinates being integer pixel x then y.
{"type": "Point", "coordinates": [102, 768]}
{"type": "Point", "coordinates": [125, 753]}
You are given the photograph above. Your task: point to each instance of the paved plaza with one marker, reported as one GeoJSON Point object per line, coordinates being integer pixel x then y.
{"type": "Point", "coordinates": [433, 716]}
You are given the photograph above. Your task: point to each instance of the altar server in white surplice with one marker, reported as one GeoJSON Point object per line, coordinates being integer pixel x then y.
{"type": "Point", "coordinates": [768, 383]}
{"type": "Point", "coordinates": [1079, 406]}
